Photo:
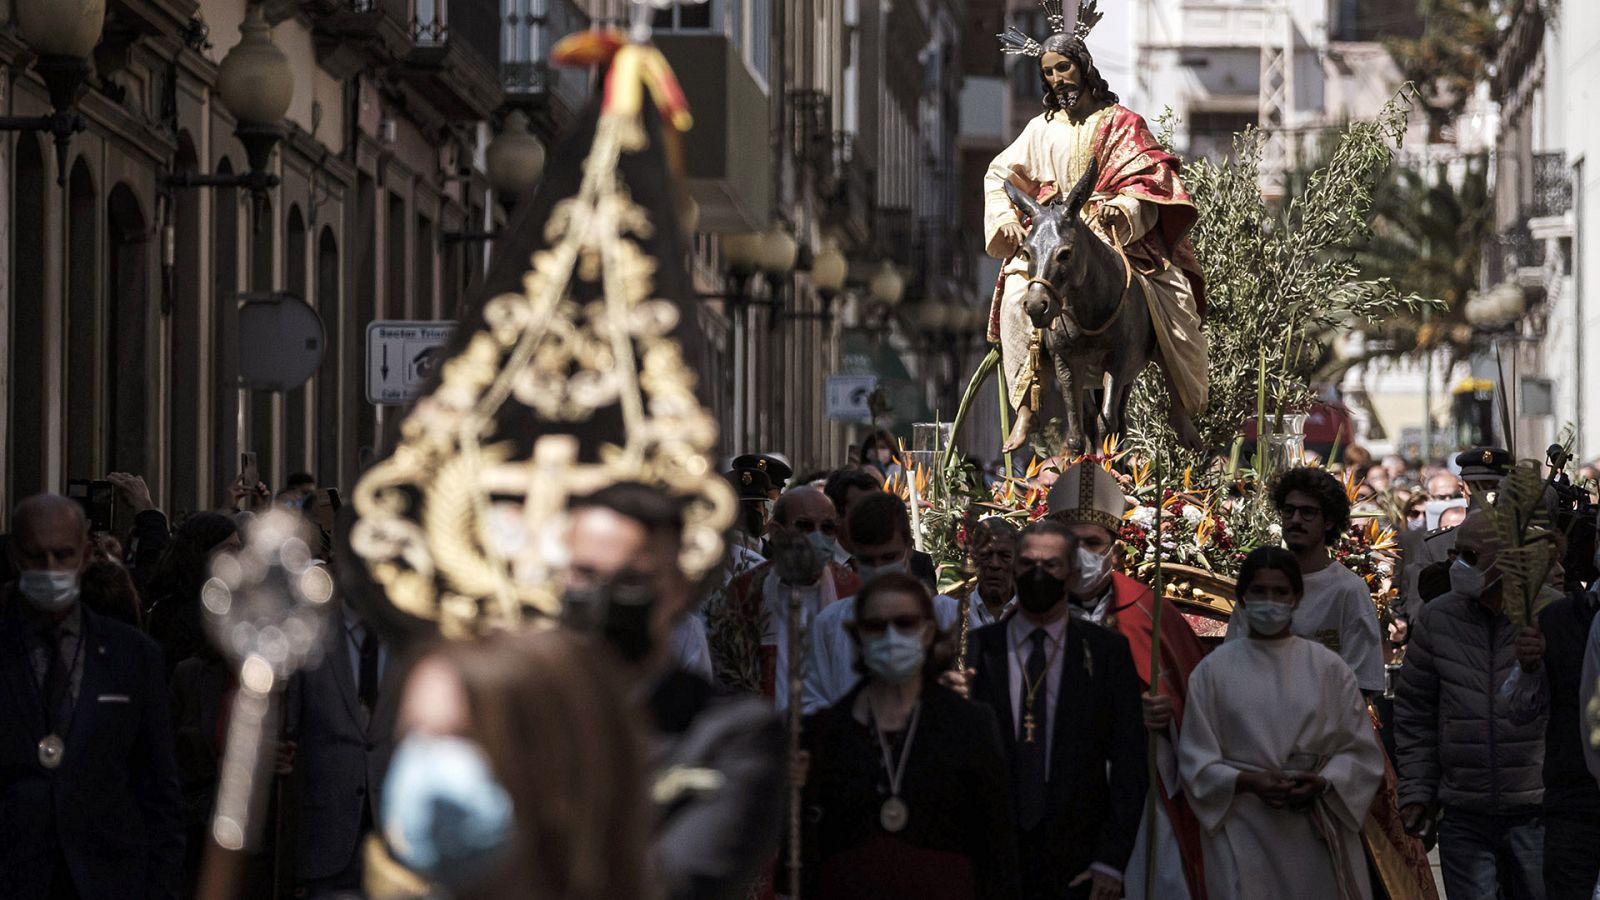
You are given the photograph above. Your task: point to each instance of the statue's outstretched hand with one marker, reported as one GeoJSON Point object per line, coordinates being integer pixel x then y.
{"type": "Point", "coordinates": [1014, 235]}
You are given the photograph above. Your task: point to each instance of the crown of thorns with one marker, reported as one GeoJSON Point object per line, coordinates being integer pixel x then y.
{"type": "Point", "coordinates": [1084, 18]}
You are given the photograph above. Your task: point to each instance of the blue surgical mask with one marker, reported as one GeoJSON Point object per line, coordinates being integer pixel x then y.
{"type": "Point", "coordinates": [1268, 618]}
{"type": "Point", "coordinates": [893, 657]}
{"type": "Point", "coordinates": [1466, 580]}
{"type": "Point", "coordinates": [444, 814]}
{"type": "Point", "coordinates": [49, 591]}
{"type": "Point", "coordinates": [823, 545]}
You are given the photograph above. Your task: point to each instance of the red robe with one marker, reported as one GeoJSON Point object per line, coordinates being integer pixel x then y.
{"type": "Point", "coordinates": [738, 656]}
{"type": "Point", "coordinates": [1132, 615]}
{"type": "Point", "coordinates": [1133, 162]}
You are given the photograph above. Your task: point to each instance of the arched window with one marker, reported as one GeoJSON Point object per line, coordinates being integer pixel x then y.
{"type": "Point", "coordinates": [84, 348]}
{"type": "Point", "coordinates": [296, 455]}
{"type": "Point", "coordinates": [263, 419]}
{"type": "Point", "coordinates": [188, 427]}
{"type": "Point", "coordinates": [327, 381]}
{"type": "Point", "coordinates": [130, 440]}
{"type": "Point", "coordinates": [225, 334]}
{"type": "Point", "coordinates": [26, 450]}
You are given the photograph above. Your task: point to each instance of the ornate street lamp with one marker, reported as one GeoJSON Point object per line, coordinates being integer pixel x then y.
{"type": "Point", "coordinates": [256, 84]}
{"type": "Point", "coordinates": [887, 285]}
{"type": "Point", "coordinates": [514, 161]}
{"type": "Point", "coordinates": [778, 252]}
{"type": "Point", "coordinates": [63, 33]}
{"type": "Point", "coordinates": [829, 270]}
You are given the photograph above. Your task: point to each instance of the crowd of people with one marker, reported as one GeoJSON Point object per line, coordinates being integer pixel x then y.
{"type": "Point", "coordinates": [1036, 748]}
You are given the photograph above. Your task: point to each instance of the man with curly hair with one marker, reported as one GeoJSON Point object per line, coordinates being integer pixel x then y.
{"type": "Point", "coordinates": [1337, 611]}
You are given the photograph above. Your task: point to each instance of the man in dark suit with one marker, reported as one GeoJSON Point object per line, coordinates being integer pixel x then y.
{"type": "Point", "coordinates": [340, 718]}
{"type": "Point", "coordinates": [718, 757]}
{"type": "Point", "coordinates": [89, 799]}
{"type": "Point", "coordinates": [1067, 697]}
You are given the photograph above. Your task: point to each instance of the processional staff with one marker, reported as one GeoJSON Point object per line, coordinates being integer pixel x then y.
{"type": "Point", "coordinates": [266, 606]}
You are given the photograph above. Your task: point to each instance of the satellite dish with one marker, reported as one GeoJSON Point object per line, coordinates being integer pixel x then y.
{"type": "Point", "coordinates": [280, 342]}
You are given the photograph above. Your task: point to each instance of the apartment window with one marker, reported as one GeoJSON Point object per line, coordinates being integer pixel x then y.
{"type": "Point", "coordinates": [1211, 133]}
{"type": "Point", "coordinates": [697, 17]}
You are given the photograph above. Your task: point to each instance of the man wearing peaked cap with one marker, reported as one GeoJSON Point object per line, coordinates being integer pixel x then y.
{"type": "Point", "coordinates": [776, 470]}
{"type": "Point", "coordinates": [1087, 499]}
{"type": "Point", "coordinates": [1482, 468]}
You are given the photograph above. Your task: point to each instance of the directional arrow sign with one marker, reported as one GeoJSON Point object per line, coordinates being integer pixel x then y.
{"type": "Point", "coordinates": [401, 358]}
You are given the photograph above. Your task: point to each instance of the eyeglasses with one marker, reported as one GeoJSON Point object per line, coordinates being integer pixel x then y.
{"type": "Point", "coordinates": [808, 525]}
{"type": "Point", "coordinates": [1290, 511]}
{"type": "Point", "coordinates": [1467, 555]}
{"type": "Point", "coordinates": [902, 624]}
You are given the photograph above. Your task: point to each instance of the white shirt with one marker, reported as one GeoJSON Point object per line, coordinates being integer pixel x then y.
{"type": "Point", "coordinates": [1017, 638]}
{"type": "Point", "coordinates": [814, 599]}
{"type": "Point", "coordinates": [831, 666]}
{"type": "Point", "coordinates": [980, 615]}
{"type": "Point", "coordinates": [1337, 612]}
{"type": "Point", "coordinates": [690, 647]}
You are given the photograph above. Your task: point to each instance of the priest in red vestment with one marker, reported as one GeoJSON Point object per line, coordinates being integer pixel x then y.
{"type": "Point", "coordinates": [1087, 499]}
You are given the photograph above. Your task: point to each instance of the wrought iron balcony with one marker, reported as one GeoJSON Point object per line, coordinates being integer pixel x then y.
{"type": "Point", "coordinates": [352, 35]}
{"type": "Point", "coordinates": [455, 57]}
{"type": "Point", "coordinates": [529, 29]}
{"type": "Point", "coordinates": [1552, 185]}
{"type": "Point", "coordinates": [1510, 251]}
{"type": "Point", "coordinates": [850, 187]}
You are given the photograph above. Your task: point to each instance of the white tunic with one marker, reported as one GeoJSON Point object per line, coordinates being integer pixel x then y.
{"type": "Point", "coordinates": [1284, 705]}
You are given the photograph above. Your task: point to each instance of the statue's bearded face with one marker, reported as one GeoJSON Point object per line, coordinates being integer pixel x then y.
{"type": "Point", "coordinates": [1063, 78]}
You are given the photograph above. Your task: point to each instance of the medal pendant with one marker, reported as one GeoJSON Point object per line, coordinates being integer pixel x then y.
{"type": "Point", "coordinates": [894, 814]}
{"type": "Point", "coordinates": [51, 748]}
{"type": "Point", "coordinates": [1027, 729]}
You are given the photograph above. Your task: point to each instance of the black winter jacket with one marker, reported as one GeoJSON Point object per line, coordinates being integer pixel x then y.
{"type": "Point", "coordinates": [1455, 738]}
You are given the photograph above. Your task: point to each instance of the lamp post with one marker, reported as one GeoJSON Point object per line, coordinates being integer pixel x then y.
{"type": "Point", "coordinates": [513, 163]}
{"type": "Point", "coordinates": [256, 85]}
{"type": "Point", "coordinates": [63, 33]}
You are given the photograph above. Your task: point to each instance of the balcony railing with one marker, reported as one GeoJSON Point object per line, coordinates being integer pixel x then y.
{"type": "Point", "coordinates": [1552, 185]}
{"type": "Point", "coordinates": [474, 23]}
{"type": "Point", "coordinates": [529, 30]}
{"type": "Point", "coordinates": [1512, 250]}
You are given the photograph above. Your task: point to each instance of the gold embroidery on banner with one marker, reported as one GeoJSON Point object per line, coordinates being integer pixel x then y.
{"type": "Point", "coordinates": [457, 528]}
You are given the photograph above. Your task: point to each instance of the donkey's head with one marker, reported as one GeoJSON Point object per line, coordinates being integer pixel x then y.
{"type": "Point", "coordinates": [1051, 250]}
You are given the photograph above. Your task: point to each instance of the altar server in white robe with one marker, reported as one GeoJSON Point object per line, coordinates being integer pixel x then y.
{"type": "Point", "coordinates": [1277, 754]}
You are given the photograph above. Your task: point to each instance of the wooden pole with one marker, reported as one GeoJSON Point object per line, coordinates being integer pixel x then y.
{"type": "Point", "coordinates": [1154, 740]}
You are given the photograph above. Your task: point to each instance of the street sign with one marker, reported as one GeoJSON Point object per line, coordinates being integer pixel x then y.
{"type": "Point", "coordinates": [280, 342]}
{"type": "Point", "coordinates": [401, 357]}
{"type": "Point", "coordinates": [848, 396]}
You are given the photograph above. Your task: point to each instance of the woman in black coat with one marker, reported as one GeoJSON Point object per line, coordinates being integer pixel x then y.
{"type": "Point", "coordinates": [907, 794]}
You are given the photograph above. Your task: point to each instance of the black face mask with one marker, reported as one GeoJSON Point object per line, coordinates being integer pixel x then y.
{"type": "Point", "coordinates": [1038, 591]}
{"type": "Point", "coordinates": [618, 610]}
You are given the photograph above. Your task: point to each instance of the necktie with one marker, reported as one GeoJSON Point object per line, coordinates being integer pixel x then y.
{"type": "Point", "coordinates": [1030, 756]}
{"type": "Point", "coordinates": [56, 680]}
{"type": "Point", "coordinates": [367, 685]}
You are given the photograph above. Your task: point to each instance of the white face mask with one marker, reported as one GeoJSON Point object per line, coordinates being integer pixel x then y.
{"type": "Point", "coordinates": [1268, 618]}
{"type": "Point", "coordinates": [49, 591]}
{"type": "Point", "coordinates": [868, 573]}
{"type": "Point", "coordinates": [1092, 571]}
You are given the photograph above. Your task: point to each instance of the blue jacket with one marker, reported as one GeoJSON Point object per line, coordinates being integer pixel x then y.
{"type": "Point", "coordinates": [113, 807]}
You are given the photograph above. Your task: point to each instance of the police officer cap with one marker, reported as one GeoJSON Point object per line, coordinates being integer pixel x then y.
{"type": "Point", "coordinates": [1484, 462]}
{"type": "Point", "coordinates": [751, 484]}
{"type": "Point", "coordinates": [776, 470]}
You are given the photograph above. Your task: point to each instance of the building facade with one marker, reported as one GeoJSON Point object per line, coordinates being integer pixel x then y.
{"type": "Point", "coordinates": [1543, 179]}
{"type": "Point", "coordinates": [122, 287]}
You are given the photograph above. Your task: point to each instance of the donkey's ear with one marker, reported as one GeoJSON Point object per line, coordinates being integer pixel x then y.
{"type": "Point", "coordinates": [1080, 192]}
{"type": "Point", "coordinates": [1020, 197]}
